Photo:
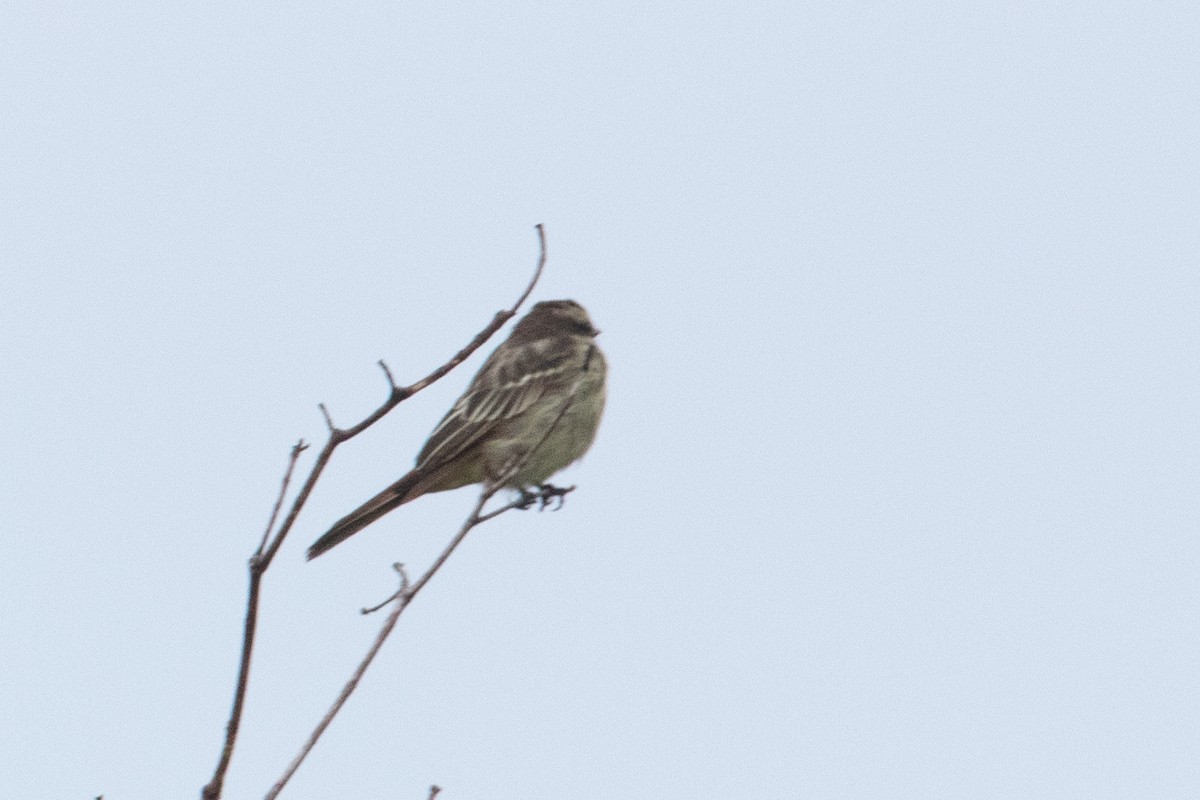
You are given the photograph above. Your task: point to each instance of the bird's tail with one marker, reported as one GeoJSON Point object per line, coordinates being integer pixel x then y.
{"type": "Point", "coordinates": [390, 498]}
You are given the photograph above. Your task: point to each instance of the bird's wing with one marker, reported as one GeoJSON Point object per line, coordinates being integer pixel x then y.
{"type": "Point", "coordinates": [505, 388]}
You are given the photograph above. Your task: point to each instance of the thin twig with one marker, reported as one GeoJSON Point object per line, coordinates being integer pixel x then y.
{"type": "Point", "coordinates": [387, 373]}
{"type": "Point", "coordinates": [402, 598]}
{"type": "Point", "coordinates": [297, 449]}
{"type": "Point", "coordinates": [404, 586]}
{"type": "Point", "coordinates": [263, 557]}
{"type": "Point", "coordinates": [328, 419]}
{"type": "Point", "coordinates": [496, 324]}
{"type": "Point", "coordinates": [239, 695]}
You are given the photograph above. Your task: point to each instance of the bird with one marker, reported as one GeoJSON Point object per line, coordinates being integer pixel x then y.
{"type": "Point", "coordinates": [531, 410]}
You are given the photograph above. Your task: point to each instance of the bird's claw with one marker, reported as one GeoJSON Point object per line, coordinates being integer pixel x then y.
{"type": "Point", "coordinates": [550, 492]}
{"type": "Point", "coordinates": [544, 496]}
{"type": "Point", "coordinates": [526, 499]}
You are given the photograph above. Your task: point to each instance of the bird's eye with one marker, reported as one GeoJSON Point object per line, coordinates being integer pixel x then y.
{"type": "Point", "coordinates": [582, 327]}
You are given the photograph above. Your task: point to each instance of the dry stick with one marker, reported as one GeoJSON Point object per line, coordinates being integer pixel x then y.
{"type": "Point", "coordinates": [262, 558]}
{"type": "Point", "coordinates": [403, 598]}
{"type": "Point", "coordinates": [405, 594]}
{"type": "Point", "coordinates": [297, 449]}
{"type": "Point", "coordinates": [213, 789]}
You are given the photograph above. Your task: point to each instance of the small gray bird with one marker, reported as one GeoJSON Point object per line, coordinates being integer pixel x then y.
{"type": "Point", "coordinates": [535, 402]}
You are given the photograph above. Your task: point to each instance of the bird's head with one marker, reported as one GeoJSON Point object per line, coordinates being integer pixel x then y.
{"type": "Point", "coordinates": [554, 318]}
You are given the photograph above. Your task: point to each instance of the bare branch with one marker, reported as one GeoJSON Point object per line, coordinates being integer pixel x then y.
{"type": "Point", "coordinates": [265, 554]}
{"type": "Point", "coordinates": [402, 598]}
{"type": "Point", "coordinates": [541, 232]}
{"type": "Point", "coordinates": [388, 373]}
{"type": "Point", "coordinates": [496, 324]}
{"type": "Point", "coordinates": [433, 791]}
{"type": "Point", "coordinates": [239, 695]}
{"type": "Point", "coordinates": [328, 419]}
{"type": "Point", "coordinates": [404, 588]}
{"type": "Point", "coordinates": [297, 449]}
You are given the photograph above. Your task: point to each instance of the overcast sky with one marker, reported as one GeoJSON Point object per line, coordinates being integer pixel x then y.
{"type": "Point", "coordinates": [896, 492]}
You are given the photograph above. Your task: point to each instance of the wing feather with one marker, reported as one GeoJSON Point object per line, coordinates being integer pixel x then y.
{"type": "Point", "coordinates": [504, 389]}
{"type": "Point", "coordinates": [507, 386]}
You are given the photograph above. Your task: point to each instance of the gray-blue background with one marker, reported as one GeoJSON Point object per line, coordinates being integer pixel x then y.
{"type": "Point", "coordinates": [896, 495]}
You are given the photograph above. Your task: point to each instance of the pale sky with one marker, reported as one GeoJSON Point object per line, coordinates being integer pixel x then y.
{"type": "Point", "coordinates": [896, 492]}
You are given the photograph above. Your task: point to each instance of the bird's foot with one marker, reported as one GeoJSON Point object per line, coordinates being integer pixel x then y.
{"type": "Point", "coordinates": [544, 496]}
{"type": "Point", "coordinates": [549, 492]}
{"type": "Point", "coordinates": [526, 499]}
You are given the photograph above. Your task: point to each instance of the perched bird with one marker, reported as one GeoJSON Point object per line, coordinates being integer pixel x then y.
{"type": "Point", "coordinates": [534, 404]}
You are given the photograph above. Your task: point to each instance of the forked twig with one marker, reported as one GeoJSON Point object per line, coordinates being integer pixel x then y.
{"type": "Point", "coordinates": [402, 597]}
{"type": "Point", "coordinates": [261, 560]}
{"type": "Point", "coordinates": [297, 449]}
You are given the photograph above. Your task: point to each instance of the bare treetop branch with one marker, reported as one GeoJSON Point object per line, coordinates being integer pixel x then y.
{"type": "Point", "coordinates": [496, 324]}
{"type": "Point", "coordinates": [399, 394]}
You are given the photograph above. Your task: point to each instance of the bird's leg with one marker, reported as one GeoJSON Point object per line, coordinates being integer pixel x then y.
{"type": "Point", "coordinates": [544, 496]}
{"type": "Point", "coordinates": [548, 492]}
{"type": "Point", "coordinates": [526, 499]}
